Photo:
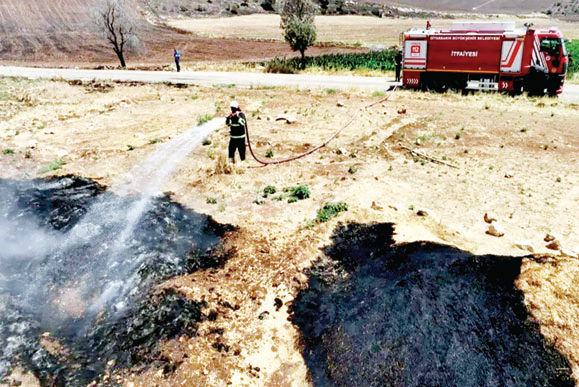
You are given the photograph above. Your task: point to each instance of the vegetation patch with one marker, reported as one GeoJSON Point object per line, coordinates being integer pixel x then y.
{"type": "Point", "coordinates": [573, 50]}
{"type": "Point", "coordinates": [203, 119]}
{"type": "Point", "coordinates": [376, 60]}
{"type": "Point", "coordinates": [300, 192]}
{"type": "Point", "coordinates": [330, 210]}
{"type": "Point", "coordinates": [53, 166]}
{"type": "Point", "coordinates": [269, 190]}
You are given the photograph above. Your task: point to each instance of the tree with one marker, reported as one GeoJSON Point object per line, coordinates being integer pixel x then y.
{"type": "Point", "coordinates": [115, 21]}
{"type": "Point", "coordinates": [297, 21]}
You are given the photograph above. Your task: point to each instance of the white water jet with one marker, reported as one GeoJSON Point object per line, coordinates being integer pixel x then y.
{"type": "Point", "coordinates": [145, 179]}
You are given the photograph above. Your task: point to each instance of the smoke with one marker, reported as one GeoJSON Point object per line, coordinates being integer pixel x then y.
{"type": "Point", "coordinates": [72, 254]}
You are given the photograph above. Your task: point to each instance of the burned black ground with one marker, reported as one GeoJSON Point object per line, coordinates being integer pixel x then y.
{"type": "Point", "coordinates": [419, 314]}
{"type": "Point", "coordinates": [40, 266]}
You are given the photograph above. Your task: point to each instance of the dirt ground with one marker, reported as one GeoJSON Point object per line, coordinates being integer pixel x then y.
{"type": "Point", "coordinates": [348, 29]}
{"type": "Point", "coordinates": [514, 157]}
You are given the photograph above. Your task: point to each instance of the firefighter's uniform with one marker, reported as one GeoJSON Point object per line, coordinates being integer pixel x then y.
{"type": "Point", "coordinates": [237, 129]}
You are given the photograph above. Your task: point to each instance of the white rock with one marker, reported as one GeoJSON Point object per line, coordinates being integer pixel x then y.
{"type": "Point", "coordinates": [61, 153]}
{"type": "Point", "coordinates": [32, 144]}
{"type": "Point", "coordinates": [551, 237]}
{"type": "Point", "coordinates": [340, 104]}
{"type": "Point", "coordinates": [286, 117]}
{"type": "Point", "coordinates": [509, 174]}
{"type": "Point", "coordinates": [418, 141]}
{"type": "Point", "coordinates": [524, 245]}
{"type": "Point", "coordinates": [496, 230]}
{"type": "Point", "coordinates": [489, 217]}
{"type": "Point", "coordinates": [566, 253]}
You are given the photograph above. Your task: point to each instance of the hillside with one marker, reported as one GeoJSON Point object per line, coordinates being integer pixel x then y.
{"type": "Point", "coordinates": [37, 31]}
{"type": "Point", "coordinates": [568, 8]}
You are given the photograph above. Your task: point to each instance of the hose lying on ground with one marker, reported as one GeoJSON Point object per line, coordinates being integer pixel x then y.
{"type": "Point", "coordinates": [352, 119]}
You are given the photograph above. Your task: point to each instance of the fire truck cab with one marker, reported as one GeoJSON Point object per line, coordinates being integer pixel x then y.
{"type": "Point", "coordinates": [485, 56]}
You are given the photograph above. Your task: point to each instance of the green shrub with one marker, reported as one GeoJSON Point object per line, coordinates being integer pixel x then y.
{"type": "Point", "coordinates": [155, 140]}
{"type": "Point", "coordinates": [330, 210]}
{"type": "Point", "coordinates": [573, 50]}
{"type": "Point", "coordinates": [269, 153]}
{"type": "Point", "coordinates": [206, 142]}
{"type": "Point", "coordinates": [280, 66]}
{"type": "Point", "coordinates": [269, 190]}
{"type": "Point", "coordinates": [300, 192]}
{"type": "Point", "coordinates": [352, 170]}
{"type": "Point", "coordinates": [292, 199]}
{"type": "Point", "coordinates": [8, 151]}
{"type": "Point", "coordinates": [130, 147]}
{"type": "Point", "coordinates": [210, 200]}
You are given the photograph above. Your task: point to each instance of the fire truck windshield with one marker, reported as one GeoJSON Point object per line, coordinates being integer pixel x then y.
{"type": "Point", "coordinates": [552, 46]}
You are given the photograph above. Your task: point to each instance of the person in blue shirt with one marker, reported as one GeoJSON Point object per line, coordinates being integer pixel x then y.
{"type": "Point", "coordinates": [237, 129]}
{"type": "Point", "coordinates": [177, 55]}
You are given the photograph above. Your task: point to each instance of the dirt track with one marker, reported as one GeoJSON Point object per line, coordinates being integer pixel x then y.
{"type": "Point", "coordinates": [570, 93]}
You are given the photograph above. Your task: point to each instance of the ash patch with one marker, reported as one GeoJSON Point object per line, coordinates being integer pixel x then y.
{"type": "Point", "coordinates": [420, 314]}
{"type": "Point", "coordinates": [75, 303]}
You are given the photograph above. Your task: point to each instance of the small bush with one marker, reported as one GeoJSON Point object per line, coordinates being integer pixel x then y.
{"type": "Point", "coordinates": [269, 190]}
{"type": "Point", "coordinates": [130, 147]}
{"type": "Point", "coordinates": [352, 170]}
{"type": "Point", "coordinates": [206, 142]}
{"type": "Point", "coordinates": [292, 199]}
{"type": "Point", "coordinates": [210, 200]}
{"type": "Point", "coordinates": [203, 119]}
{"type": "Point", "coordinates": [53, 166]}
{"type": "Point", "coordinates": [8, 151]}
{"type": "Point", "coordinates": [331, 91]}
{"type": "Point", "coordinates": [155, 140]}
{"type": "Point", "coordinates": [280, 66]}
{"type": "Point", "coordinates": [330, 210]}
{"type": "Point", "coordinates": [300, 192]}
{"type": "Point", "coordinates": [269, 153]}
{"type": "Point", "coordinates": [457, 136]}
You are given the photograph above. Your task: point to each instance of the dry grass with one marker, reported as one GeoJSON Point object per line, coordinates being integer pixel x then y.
{"type": "Point", "coordinates": [551, 288]}
{"type": "Point", "coordinates": [274, 244]}
{"type": "Point", "coordinates": [350, 29]}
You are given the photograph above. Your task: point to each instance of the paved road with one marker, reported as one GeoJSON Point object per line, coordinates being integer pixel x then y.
{"type": "Point", "coordinates": [571, 92]}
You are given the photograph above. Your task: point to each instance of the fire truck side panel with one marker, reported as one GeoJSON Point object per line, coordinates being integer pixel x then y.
{"type": "Point", "coordinates": [464, 53]}
{"type": "Point", "coordinates": [512, 56]}
{"type": "Point", "coordinates": [415, 52]}
{"type": "Point", "coordinates": [486, 57]}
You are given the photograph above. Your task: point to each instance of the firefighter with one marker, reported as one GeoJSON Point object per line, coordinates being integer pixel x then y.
{"type": "Point", "coordinates": [428, 25]}
{"type": "Point", "coordinates": [237, 129]}
{"type": "Point", "coordinates": [398, 60]}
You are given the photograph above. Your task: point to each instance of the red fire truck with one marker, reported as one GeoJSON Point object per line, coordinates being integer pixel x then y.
{"type": "Point", "coordinates": [485, 56]}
